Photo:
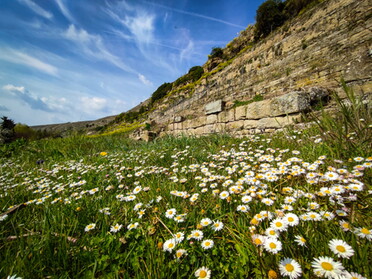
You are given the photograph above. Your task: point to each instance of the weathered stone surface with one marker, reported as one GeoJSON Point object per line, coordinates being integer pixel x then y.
{"type": "Point", "coordinates": [209, 129]}
{"type": "Point", "coordinates": [289, 103]}
{"type": "Point", "coordinates": [275, 122]}
{"type": "Point", "coordinates": [199, 130]}
{"type": "Point", "coordinates": [235, 125]}
{"type": "Point", "coordinates": [240, 112]}
{"type": "Point", "coordinates": [178, 126]}
{"type": "Point", "coordinates": [221, 127]}
{"type": "Point", "coordinates": [316, 51]}
{"type": "Point", "coordinates": [198, 121]}
{"type": "Point", "coordinates": [259, 110]}
{"type": "Point", "coordinates": [211, 119]}
{"type": "Point", "coordinates": [214, 107]}
{"type": "Point", "coordinates": [249, 124]}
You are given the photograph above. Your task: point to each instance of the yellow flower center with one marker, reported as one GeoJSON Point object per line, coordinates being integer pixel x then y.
{"type": "Point", "coordinates": [170, 245]}
{"type": "Point", "coordinates": [289, 267]}
{"type": "Point", "coordinates": [202, 274]}
{"type": "Point", "coordinates": [340, 248]}
{"type": "Point", "coordinates": [179, 254]}
{"type": "Point", "coordinates": [257, 241]}
{"type": "Point", "coordinates": [365, 231]}
{"type": "Point", "coordinates": [272, 245]}
{"type": "Point", "coordinates": [327, 266]}
{"type": "Point", "coordinates": [290, 219]}
{"type": "Point", "coordinates": [278, 224]}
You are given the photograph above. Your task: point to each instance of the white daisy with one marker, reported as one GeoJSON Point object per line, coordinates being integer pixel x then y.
{"type": "Point", "coordinates": [327, 267]}
{"type": "Point", "coordinates": [341, 248]}
{"type": "Point", "coordinates": [207, 244]}
{"type": "Point", "coordinates": [272, 245]}
{"type": "Point", "coordinates": [115, 228]}
{"type": "Point", "coordinates": [291, 268]}
{"type": "Point", "coordinates": [90, 227]}
{"type": "Point", "coordinates": [203, 273]}
{"type": "Point", "coordinates": [217, 226]}
{"type": "Point", "coordinates": [169, 245]}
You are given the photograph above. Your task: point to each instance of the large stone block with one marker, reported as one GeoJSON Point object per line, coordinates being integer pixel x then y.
{"type": "Point", "coordinates": [214, 107]}
{"type": "Point", "coordinates": [235, 125]}
{"type": "Point", "coordinates": [222, 117]}
{"type": "Point", "coordinates": [209, 129]}
{"type": "Point", "coordinates": [259, 110]}
{"type": "Point", "coordinates": [221, 127]}
{"type": "Point", "coordinates": [290, 103]}
{"type": "Point", "coordinates": [198, 121]}
{"type": "Point", "coordinates": [211, 119]}
{"type": "Point", "coordinates": [178, 126]}
{"type": "Point", "coordinates": [276, 122]}
{"type": "Point", "coordinates": [240, 112]}
{"type": "Point", "coordinates": [250, 124]}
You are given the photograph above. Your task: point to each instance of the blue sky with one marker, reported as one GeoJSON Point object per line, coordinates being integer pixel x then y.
{"type": "Point", "coordinates": [74, 60]}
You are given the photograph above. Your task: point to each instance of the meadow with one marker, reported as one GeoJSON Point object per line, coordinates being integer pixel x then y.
{"type": "Point", "coordinates": [295, 204]}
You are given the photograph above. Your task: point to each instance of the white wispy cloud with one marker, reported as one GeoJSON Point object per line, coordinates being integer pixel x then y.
{"type": "Point", "coordinates": [93, 46]}
{"type": "Point", "coordinates": [195, 14]}
{"type": "Point", "coordinates": [21, 93]}
{"type": "Point", "coordinates": [144, 80]}
{"type": "Point", "coordinates": [21, 58]}
{"type": "Point", "coordinates": [36, 8]}
{"type": "Point", "coordinates": [140, 23]}
{"type": "Point", "coordinates": [65, 11]}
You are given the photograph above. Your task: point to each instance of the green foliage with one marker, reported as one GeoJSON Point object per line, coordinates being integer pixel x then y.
{"type": "Point", "coordinates": [193, 75]}
{"type": "Point", "coordinates": [7, 123]}
{"type": "Point", "coordinates": [273, 13]}
{"type": "Point", "coordinates": [161, 92]}
{"type": "Point", "coordinates": [256, 98]}
{"type": "Point", "coordinates": [349, 127]}
{"type": "Point", "coordinates": [216, 52]}
{"type": "Point", "coordinates": [269, 16]}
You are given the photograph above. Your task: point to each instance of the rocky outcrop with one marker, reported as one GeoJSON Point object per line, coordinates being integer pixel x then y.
{"type": "Point", "coordinates": [293, 68]}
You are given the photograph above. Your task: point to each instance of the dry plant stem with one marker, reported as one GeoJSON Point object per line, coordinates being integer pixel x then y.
{"type": "Point", "coordinates": [13, 209]}
{"type": "Point", "coordinates": [14, 237]}
{"type": "Point", "coordinates": [164, 225]}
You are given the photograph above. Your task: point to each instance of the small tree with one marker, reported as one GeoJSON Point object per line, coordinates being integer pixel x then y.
{"type": "Point", "coordinates": [6, 130]}
{"type": "Point", "coordinates": [269, 16]}
{"type": "Point", "coordinates": [216, 52]}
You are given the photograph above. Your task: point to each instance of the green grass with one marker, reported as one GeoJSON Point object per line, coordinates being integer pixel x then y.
{"type": "Point", "coordinates": [81, 176]}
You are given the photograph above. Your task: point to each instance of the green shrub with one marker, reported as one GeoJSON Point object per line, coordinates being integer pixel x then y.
{"type": "Point", "coordinates": [269, 16]}
{"type": "Point", "coordinates": [161, 91]}
{"type": "Point", "coordinates": [216, 52]}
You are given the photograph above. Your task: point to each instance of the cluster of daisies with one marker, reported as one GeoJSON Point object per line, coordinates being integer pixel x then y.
{"type": "Point", "coordinates": [274, 189]}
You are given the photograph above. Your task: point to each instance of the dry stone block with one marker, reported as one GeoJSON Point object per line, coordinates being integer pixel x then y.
{"type": "Point", "coordinates": [211, 119]}
{"type": "Point", "coordinates": [197, 122]}
{"type": "Point", "coordinates": [222, 117]}
{"type": "Point", "coordinates": [209, 129]}
{"type": "Point", "coordinates": [178, 126]}
{"type": "Point", "coordinates": [235, 125]}
{"type": "Point", "coordinates": [214, 107]}
{"type": "Point", "coordinates": [276, 122]}
{"type": "Point", "coordinates": [240, 112]}
{"type": "Point", "coordinates": [221, 127]}
{"type": "Point", "coordinates": [199, 130]}
{"type": "Point", "coordinates": [249, 124]}
{"type": "Point", "coordinates": [259, 110]}
{"type": "Point", "coordinates": [290, 103]}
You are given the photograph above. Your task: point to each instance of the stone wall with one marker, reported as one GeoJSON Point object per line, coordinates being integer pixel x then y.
{"type": "Point", "coordinates": [315, 50]}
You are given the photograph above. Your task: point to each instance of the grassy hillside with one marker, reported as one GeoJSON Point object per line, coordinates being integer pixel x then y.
{"type": "Point", "coordinates": [295, 205]}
